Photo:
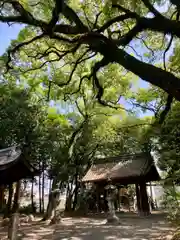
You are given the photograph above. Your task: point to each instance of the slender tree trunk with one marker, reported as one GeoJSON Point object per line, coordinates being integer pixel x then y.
{"type": "Point", "coordinates": [75, 192]}
{"type": "Point", "coordinates": [16, 198]}
{"type": "Point", "coordinates": [50, 185]}
{"type": "Point", "coordinates": [43, 179]}
{"type": "Point", "coordinates": [138, 199]}
{"type": "Point", "coordinates": [68, 204]}
{"type": "Point", "coordinates": [40, 201]}
{"type": "Point", "coordinates": [32, 195]}
{"type": "Point", "coordinates": [49, 209]}
{"type": "Point", "coordinates": [9, 202]}
{"type": "Point", "coordinates": [1, 197]}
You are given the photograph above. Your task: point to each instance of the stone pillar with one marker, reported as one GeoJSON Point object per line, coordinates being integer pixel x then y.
{"type": "Point", "coordinates": [145, 210]}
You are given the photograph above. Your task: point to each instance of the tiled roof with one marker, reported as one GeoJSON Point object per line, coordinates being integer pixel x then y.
{"type": "Point", "coordinates": [9, 155]}
{"type": "Point", "coordinates": [14, 166]}
{"type": "Point", "coordinates": [120, 167]}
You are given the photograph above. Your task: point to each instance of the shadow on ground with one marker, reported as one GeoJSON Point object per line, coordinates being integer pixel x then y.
{"type": "Point", "coordinates": [132, 227]}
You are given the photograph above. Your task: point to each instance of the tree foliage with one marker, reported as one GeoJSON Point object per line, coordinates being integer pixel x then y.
{"type": "Point", "coordinates": [68, 35]}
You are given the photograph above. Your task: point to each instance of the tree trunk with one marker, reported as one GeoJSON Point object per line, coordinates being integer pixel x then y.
{"type": "Point", "coordinates": [138, 199]}
{"type": "Point", "coordinates": [144, 199]}
{"type": "Point", "coordinates": [40, 201]}
{"type": "Point", "coordinates": [13, 226]}
{"type": "Point", "coordinates": [16, 198]}
{"type": "Point", "coordinates": [9, 202]}
{"type": "Point", "coordinates": [75, 192]}
{"type": "Point", "coordinates": [49, 210]}
{"type": "Point", "coordinates": [43, 179]}
{"type": "Point", "coordinates": [2, 197]}
{"type": "Point", "coordinates": [50, 185]}
{"type": "Point", "coordinates": [75, 198]}
{"type": "Point", "coordinates": [68, 205]}
{"type": "Point", "coordinates": [32, 197]}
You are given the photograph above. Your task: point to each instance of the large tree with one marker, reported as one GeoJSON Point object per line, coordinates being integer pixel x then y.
{"type": "Point", "coordinates": [76, 31]}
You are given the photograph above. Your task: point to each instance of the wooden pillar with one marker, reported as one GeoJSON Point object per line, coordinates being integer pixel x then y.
{"type": "Point", "coordinates": [98, 198]}
{"type": "Point", "coordinates": [1, 197]}
{"type": "Point", "coordinates": [145, 210]}
{"type": "Point", "coordinates": [138, 198]}
{"type": "Point", "coordinates": [118, 195]}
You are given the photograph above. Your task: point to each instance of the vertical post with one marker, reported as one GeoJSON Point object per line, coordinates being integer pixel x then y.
{"type": "Point", "coordinates": [40, 199]}
{"type": "Point", "coordinates": [1, 197]}
{"type": "Point", "coordinates": [13, 226]}
{"type": "Point", "coordinates": [152, 205]}
{"type": "Point", "coordinates": [9, 202]}
{"type": "Point", "coordinates": [138, 199]}
{"type": "Point", "coordinates": [42, 186]}
{"type": "Point", "coordinates": [119, 199]}
{"type": "Point", "coordinates": [144, 199]}
{"type": "Point", "coordinates": [98, 198]}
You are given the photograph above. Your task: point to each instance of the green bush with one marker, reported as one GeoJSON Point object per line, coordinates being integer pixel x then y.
{"type": "Point", "coordinates": [171, 201]}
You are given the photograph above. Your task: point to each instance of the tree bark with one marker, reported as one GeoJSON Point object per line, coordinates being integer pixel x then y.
{"type": "Point", "coordinates": [49, 209]}
{"type": "Point", "coordinates": [43, 179]}
{"type": "Point", "coordinates": [32, 196]}
{"type": "Point", "coordinates": [16, 197]}
{"type": "Point", "coordinates": [40, 200]}
{"type": "Point", "coordinates": [69, 195]}
{"type": "Point", "coordinates": [9, 202]}
{"type": "Point", "coordinates": [138, 199]}
{"type": "Point", "coordinates": [2, 197]}
{"type": "Point", "coordinates": [13, 226]}
{"type": "Point", "coordinates": [145, 209]}
{"type": "Point", "coordinates": [75, 192]}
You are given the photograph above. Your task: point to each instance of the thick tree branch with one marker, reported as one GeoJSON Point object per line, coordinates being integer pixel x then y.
{"type": "Point", "coordinates": [100, 89]}
{"type": "Point", "coordinates": [150, 7]}
{"type": "Point", "coordinates": [166, 109]}
{"type": "Point", "coordinates": [26, 16]}
{"type": "Point", "coordinates": [128, 37]}
{"type": "Point", "coordinates": [156, 76]}
{"type": "Point", "coordinates": [59, 4]}
{"type": "Point", "coordinates": [112, 21]}
{"type": "Point", "coordinates": [70, 14]}
{"type": "Point", "coordinates": [67, 29]}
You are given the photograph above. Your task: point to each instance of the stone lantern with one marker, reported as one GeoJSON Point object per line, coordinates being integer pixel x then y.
{"type": "Point", "coordinates": [111, 192]}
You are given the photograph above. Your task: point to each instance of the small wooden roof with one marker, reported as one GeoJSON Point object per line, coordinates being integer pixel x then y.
{"type": "Point", "coordinates": [125, 169]}
{"type": "Point", "coordinates": [14, 166]}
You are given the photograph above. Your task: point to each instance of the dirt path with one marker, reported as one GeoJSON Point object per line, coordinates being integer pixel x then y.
{"type": "Point", "coordinates": [132, 227]}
